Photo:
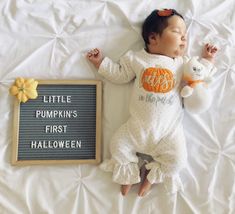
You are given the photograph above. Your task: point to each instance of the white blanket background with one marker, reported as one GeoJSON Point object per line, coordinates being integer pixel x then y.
{"type": "Point", "coordinates": [49, 40]}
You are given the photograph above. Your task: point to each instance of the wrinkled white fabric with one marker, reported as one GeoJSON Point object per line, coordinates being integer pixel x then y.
{"type": "Point", "coordinates": [49, 40]}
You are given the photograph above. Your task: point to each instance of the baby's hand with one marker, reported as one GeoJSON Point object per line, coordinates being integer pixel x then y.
{"type": "Point", "coordinates": [95, 56]}
{"type": "Point", "coordinates": [209, 52]}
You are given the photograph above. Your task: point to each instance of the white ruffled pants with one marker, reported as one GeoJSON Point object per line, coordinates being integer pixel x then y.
{"type": "Point", "coordinates": [168, 153]}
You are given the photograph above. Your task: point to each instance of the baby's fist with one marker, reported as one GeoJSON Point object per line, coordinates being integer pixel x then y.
{"type": "Point", "coordinates": [95, 57]}
{"type": "Point", "coordinates": [209, 52]}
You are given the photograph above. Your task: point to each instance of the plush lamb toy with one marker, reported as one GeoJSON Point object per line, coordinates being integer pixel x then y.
{"type": "Point", "coordinates": [196, 94]}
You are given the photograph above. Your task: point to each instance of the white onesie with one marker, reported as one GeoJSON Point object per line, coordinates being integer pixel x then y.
{"type": "Point", "coordinates": [154, 127]}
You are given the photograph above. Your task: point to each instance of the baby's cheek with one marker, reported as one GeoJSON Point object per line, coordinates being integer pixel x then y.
{"type": "Point", "coordinates": [174, 42]}
{"type": "Point", "coordinates": [171, 39]}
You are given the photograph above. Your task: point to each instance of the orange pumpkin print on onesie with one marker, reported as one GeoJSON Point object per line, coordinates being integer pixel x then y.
{"type": "Point", "coordinates": [157, 80]}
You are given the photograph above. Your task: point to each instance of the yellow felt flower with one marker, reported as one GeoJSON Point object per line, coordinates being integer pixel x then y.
{"type": "Point", "coordinates": [24, 89]}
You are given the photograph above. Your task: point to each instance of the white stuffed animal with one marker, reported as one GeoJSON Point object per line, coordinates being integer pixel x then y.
{"type": "Point", "coordinates": [196, 94]}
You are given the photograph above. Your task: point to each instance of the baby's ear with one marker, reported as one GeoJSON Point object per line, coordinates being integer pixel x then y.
{"type": "Point", "coordinates": [153, 38]}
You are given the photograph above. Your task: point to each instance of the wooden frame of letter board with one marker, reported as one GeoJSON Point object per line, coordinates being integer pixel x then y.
{"type": "Point", "coordinates": [16, 122]}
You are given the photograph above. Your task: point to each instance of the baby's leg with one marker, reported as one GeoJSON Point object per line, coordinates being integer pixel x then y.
{"type": "Point", "coordinates": [124, 160]}
{"type": "Point", "coordinates": [169, 158]}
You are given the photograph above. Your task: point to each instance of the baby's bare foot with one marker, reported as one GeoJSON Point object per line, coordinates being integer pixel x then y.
{"type": "Point", "coordinates": [145, 187]}
{"type": "Point", "coordinates": [125, 189]}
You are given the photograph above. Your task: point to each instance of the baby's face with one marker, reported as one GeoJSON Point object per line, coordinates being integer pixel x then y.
{"type": "Point", "coordinates": [173, 40]}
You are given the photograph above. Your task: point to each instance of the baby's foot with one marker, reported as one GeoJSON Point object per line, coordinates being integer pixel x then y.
{"type": "Point", "coordinates": [145, 187]}
{"type": "Point", "coordinates": [125, 189]}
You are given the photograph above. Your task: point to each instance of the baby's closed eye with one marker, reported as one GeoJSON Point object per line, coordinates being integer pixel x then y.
{"type": "Point", "coordinates": [176, 31]}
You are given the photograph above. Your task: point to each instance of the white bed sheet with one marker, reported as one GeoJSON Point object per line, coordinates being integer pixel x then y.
{"type": "Point", "coordinates": [49, 39]}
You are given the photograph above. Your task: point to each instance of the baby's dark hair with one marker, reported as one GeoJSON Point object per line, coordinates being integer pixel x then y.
{"type": "Point", "coordinates": [156, 22]}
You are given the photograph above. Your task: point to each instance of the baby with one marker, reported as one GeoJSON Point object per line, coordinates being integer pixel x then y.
{"type": "Point", "coordinates": [154, 127]}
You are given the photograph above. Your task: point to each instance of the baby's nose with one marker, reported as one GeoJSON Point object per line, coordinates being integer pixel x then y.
{"type": "Point", "coordinates": [184, 38]}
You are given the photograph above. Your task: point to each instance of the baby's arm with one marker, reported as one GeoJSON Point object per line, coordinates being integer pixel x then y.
{"type": "Point", "coordinates": [121, 72]}
{"type": "Point", "coordinates": [208, 55]}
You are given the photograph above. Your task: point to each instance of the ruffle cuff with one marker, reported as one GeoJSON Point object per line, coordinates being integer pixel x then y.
{"type": "Point", "coordinates": [123, 174]}
{"type": "Point", "coordinates": [172, 184]}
